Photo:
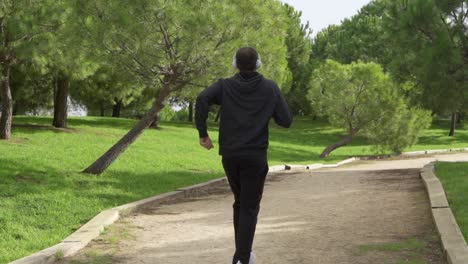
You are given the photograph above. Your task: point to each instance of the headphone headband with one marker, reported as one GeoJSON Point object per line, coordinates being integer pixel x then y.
{"type": "Point", "coordinates": [258, 64]}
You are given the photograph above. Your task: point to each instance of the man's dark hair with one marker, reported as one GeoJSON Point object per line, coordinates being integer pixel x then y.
{"type": "Point", "coordinates": [246, 59]}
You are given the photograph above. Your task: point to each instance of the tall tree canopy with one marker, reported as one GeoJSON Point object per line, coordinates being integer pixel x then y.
{"type": "Point", "coordinates": [25, 30]}
{"type": "Point", "coordinates": [430, 38]}
{"type": "Point", "coordinates": [360, 37]}
{"type": "Point", "coordinates": [174, 45]}
{"type": "Point", "coordinates": [298, 42]}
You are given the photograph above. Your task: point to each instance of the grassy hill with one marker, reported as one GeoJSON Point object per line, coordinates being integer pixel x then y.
{"type": "Point", "coordinates": [44, 197]}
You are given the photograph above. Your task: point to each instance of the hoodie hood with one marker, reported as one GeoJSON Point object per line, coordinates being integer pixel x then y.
{"type": "Point", "coordinates": [246, 83]}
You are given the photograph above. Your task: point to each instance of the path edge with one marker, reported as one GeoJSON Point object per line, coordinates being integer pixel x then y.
{"type": "Point", "coordinates": [453, 242]}
{"type": "Point", "coordinates": [93, 228]}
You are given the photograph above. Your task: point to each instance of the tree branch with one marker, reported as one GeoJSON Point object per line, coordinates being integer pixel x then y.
{"type": "Point", "coordinates": [169, 47]}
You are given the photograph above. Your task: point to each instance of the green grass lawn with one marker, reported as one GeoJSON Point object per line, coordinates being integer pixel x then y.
{"type": "Point", "coordinates": [454, 178]}
{"type": "Point", "coordinates": [44, 197]}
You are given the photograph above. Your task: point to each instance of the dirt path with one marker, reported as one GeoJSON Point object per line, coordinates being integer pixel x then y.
{"type": "Point", "coordinates": [372, 212]}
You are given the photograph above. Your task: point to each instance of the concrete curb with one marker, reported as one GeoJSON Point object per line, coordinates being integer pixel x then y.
{"type": "Point", "coordinates": [415, 153]}
{"type": "Point", "coordinates": [277, 168]}
{"type": "Point", "coordinates": [80, 238]}
{"type": "Point", "coordinates": [320, 165]}
{"type": "Point", "coordinates": [435, 151]}
{"type": "Point", "coordinates": [453, 242]}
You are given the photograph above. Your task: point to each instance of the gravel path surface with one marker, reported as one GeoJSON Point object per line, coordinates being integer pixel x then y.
{"type": "Point", "coordinates": [366, 212]}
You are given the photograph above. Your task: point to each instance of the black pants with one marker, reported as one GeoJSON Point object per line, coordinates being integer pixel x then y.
{"type": "Point", "coordinates": [246, 177]}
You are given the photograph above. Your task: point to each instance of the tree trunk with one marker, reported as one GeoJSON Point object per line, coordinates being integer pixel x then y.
{"type": "Point", "coordinates": [459, 118]}
{"type": "Point", "coordinates": [116, 108]}
{"type": "Point", "coordinates": [7, 105]}
{"type": "Point", "coordinates": [453, 124]}
{"type": "Point", "coordinates": [61, 101]}
{"type": "Point", "coordinates": [102, 109]}
{"type": "Point", "coordinates": [100, 165]}
{"type": "Point", "coordinates": [155, 123]}
{"type": "Point", "coordinates": [345, 141]}
{"type": "Point", "coordinates": [217, 116]}
{"type": "Point", "coordinates": [15, 108]}
{"type": "Point", "coordinates": [190, 112]}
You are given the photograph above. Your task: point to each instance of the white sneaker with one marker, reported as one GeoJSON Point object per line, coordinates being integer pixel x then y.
{"type": "Point", "coordinates": [252, 260]}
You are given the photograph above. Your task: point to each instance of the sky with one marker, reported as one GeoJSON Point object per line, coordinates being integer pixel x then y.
{"type": "Point", "coordinates": [321, 13]}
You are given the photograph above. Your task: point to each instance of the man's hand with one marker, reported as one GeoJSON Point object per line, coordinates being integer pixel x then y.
{"type": "Point", "coordinates": [206, 143]}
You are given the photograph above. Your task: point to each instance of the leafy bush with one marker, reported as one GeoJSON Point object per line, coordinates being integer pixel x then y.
{"type": "Point", "coordinates": [364, 100]}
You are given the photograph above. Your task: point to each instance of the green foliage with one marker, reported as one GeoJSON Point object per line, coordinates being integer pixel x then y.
{"type": "Point", "coordinates": [422, 44]}
{"type": "Point", "coordinates": [361, 37]}
{"type": "Point", "coordinates": [27, 27]}
{"type": "Point", "coordinates": [107, 86]}
{"type": "Point", "coordinates": [112, 53]}
{"type": "Point", "coordinates": [362, 99]}
{"type": "Point", "coordinates": [298, 43]}
{"type": "Point", "coordinates": [68, 52]}
{"type": "Point", "coordinates": [346, 93]}
{"type": "Point", "coordinates": [169, 114]}
{"type": "Point", "coordinates": [25, 30]}
{"type": "Point", "coordinates": [403, 129]}
{"type": "Point", "coordinates": [189, 42]}
{"type": "Point", "coordinates": [429, 38]}
{"type": "Point", "coordinates": [31, 89]}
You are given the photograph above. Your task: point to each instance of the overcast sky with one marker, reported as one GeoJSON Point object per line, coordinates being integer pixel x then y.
{"type": "Point", "coordinates": [321, 13]}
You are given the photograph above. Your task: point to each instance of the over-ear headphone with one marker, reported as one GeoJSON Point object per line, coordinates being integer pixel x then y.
{"type": "Point", "coordinates": [257, 65]}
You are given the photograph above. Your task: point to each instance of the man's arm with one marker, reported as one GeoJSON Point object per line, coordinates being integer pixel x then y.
{"type": "Point", "coordinates": [211, 95]}
{"type": "Point", "coordinates": [282, 114]}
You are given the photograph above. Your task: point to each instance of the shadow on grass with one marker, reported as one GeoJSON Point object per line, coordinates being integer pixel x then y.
{"type": "Point", "coordinates": [443, 139]}
{"type": "Point", "coordinates": [34, 128]}
{"type": "Point", "coordinates": [100, 122]}
{"type": "Point", "coordinates": [111, 188]}
{"type": "Point", "coordinates": [42, 201]}
{"type": "Point", "coordinates": [34, 124]}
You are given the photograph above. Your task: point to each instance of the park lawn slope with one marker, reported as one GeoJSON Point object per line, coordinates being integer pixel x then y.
{"type": "Point", "coordinates": [44, 197]}
{"type": "Point", "coordinates": [454, 178]}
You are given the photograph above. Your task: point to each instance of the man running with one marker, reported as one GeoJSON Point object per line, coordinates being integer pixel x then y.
{"type": "Point", "coordinates": [248, 101]}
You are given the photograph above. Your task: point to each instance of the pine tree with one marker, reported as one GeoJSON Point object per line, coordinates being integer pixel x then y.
{"type": "Point", "coordinates": [431, 39]}
{"type": "Point", "coordinates": [363, 100]}
{"type": "Point", "coordinates": [25, 28]}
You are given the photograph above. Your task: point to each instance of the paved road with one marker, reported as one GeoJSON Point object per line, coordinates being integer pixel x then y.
{"type": "Point", "coordinates": [342, 215]}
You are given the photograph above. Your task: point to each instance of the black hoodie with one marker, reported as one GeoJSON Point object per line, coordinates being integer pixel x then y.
{"type": "Point", "coordinates": [247, 101]}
